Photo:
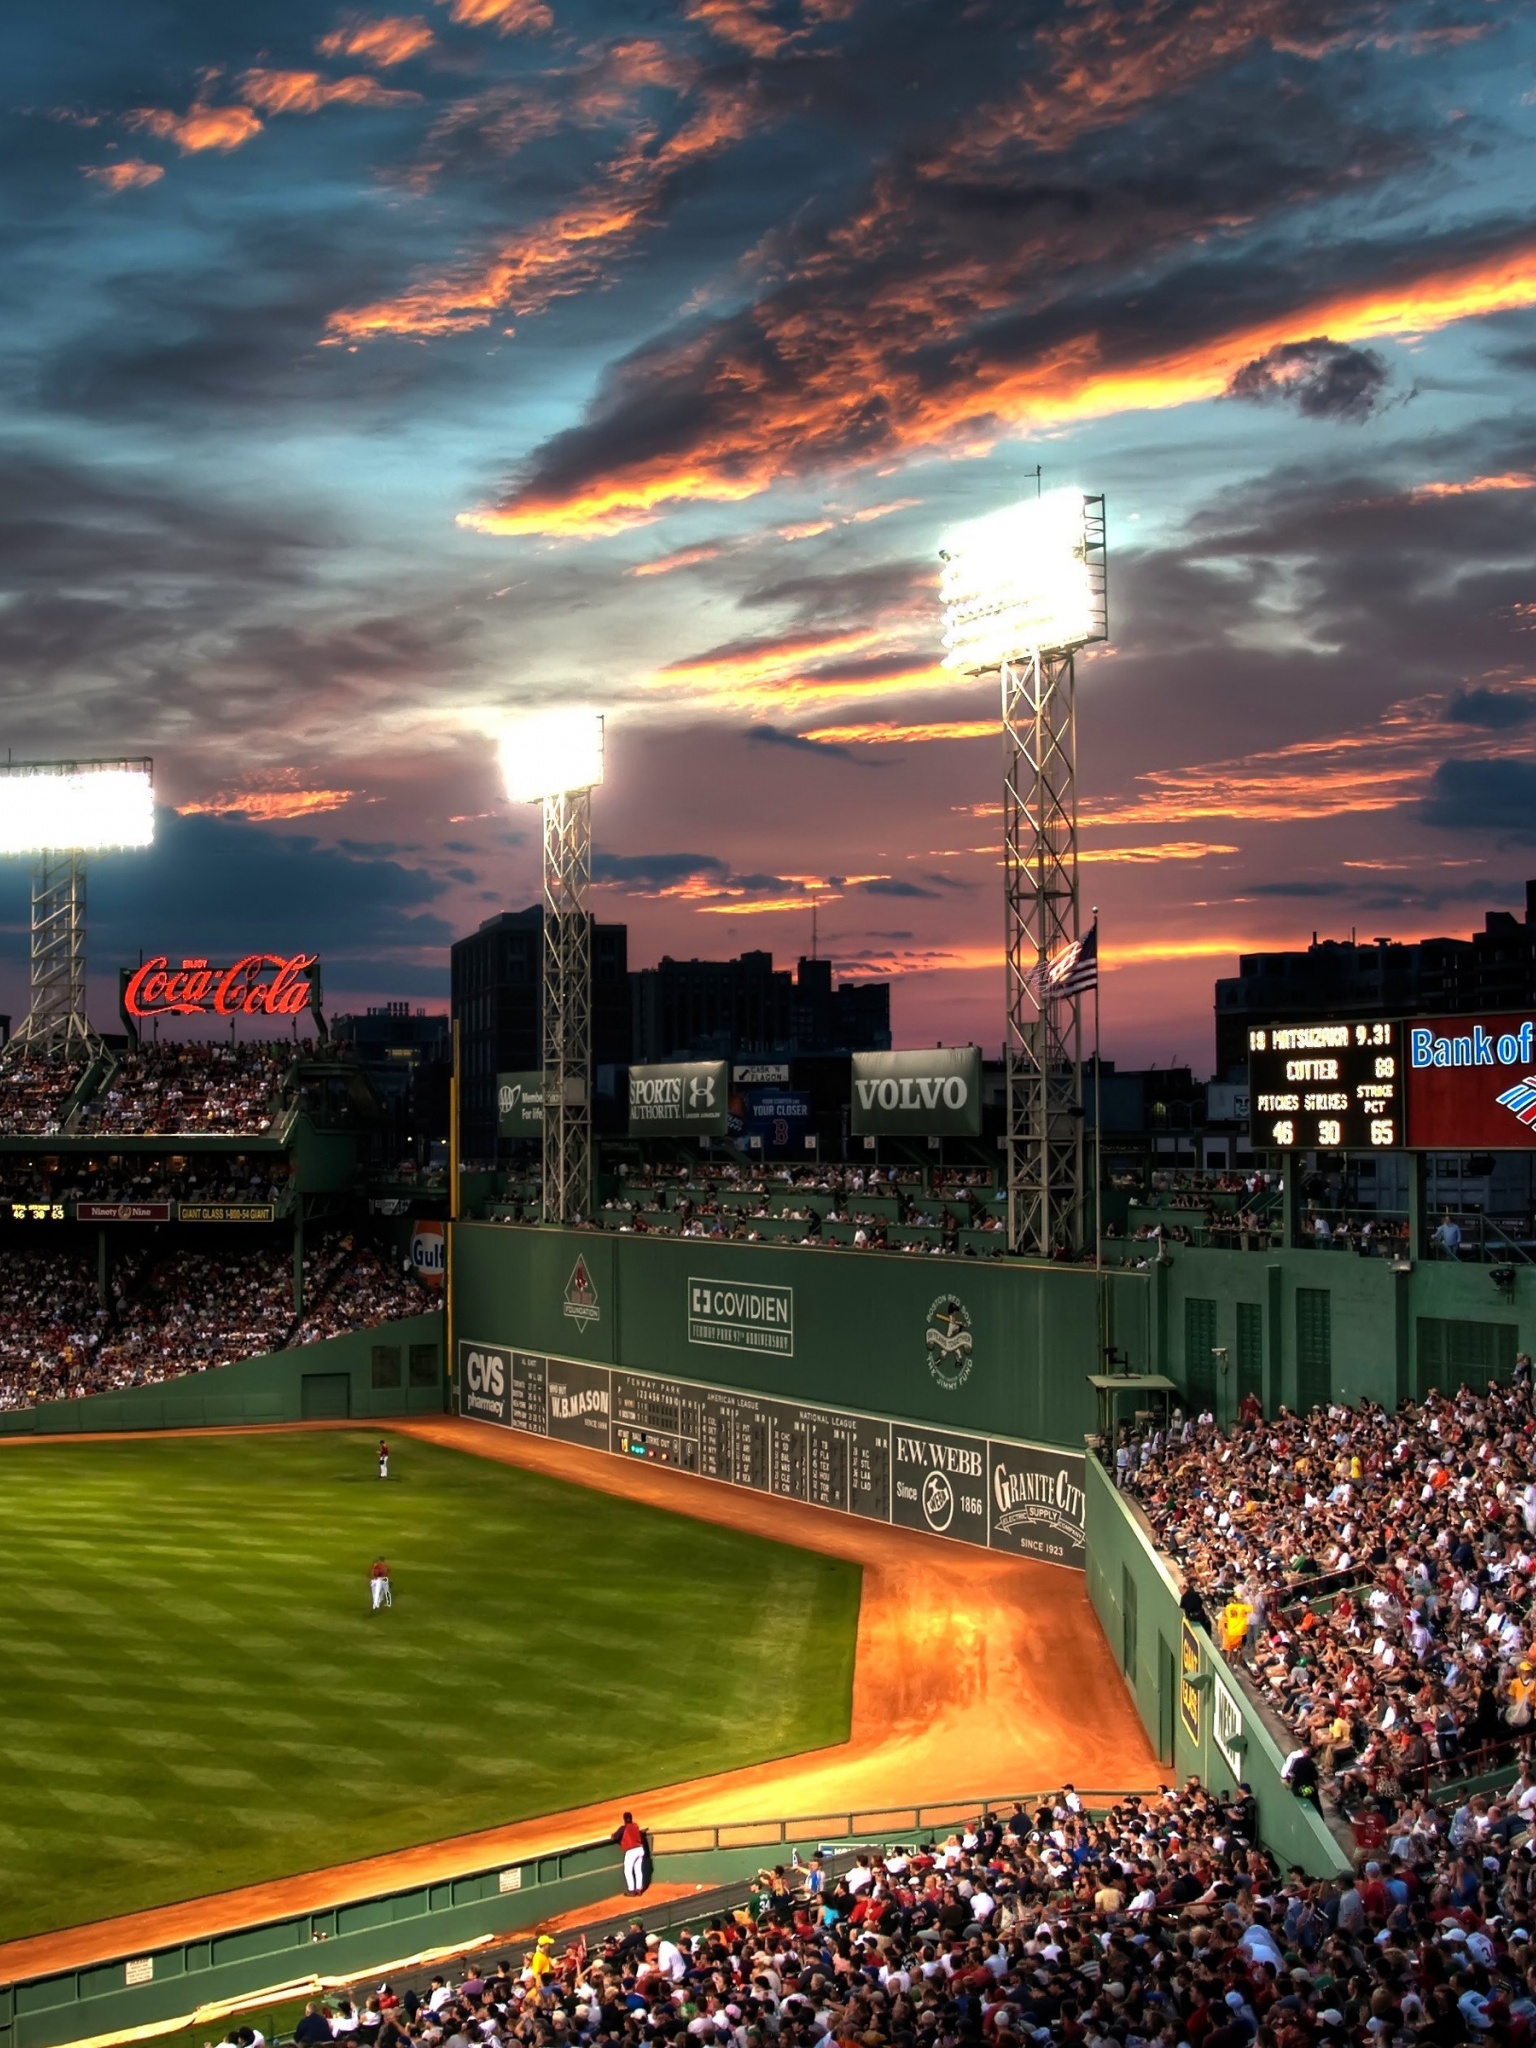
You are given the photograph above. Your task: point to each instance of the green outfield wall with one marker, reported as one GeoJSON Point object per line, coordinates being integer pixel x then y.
{"type": "Point", "coordinates": [392, 1369]}
{"type": "Point", "coordinates": [1196, 1713]}
{"type": "Point", "coordinates": [848, 1328]}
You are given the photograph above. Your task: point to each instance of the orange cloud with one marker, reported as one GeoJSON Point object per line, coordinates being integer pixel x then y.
{"type": "Point", "coordinates": [1148, 856]}
{"type": "Point", "coordinates": [683, 558]}
{"type": "Point", "coordinates": [745, 23]}
{"type": "Point", "coordinates": [393, 39]}
{"type": "Point", "coordinates": [306, 92]}
{"type": "Point", "coordinates": [1509, 480]}
{"type": "Point", "coordinates": [885, 734]}
{"type": "Point", "coordinates": [831, 351]}
{"type": "Point", "coordinates": [268, 805]}
{"type": "Point", "coordinates": [507, 17]}
{"type": "Point", "coordinates": [199, 128]}
{"type": "Point", "coordinates": [129, 175]}
{"type": "Point", "coordinates": [556, 258]}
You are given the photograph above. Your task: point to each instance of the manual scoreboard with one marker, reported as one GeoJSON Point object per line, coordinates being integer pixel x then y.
{"type": "Point", "coordinates": [1334, 1087]}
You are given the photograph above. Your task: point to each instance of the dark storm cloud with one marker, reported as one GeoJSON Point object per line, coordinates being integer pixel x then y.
{"type": "Point", "coordinates": [1323, 379]}
{"type": "Point", "coordinates": [1298, 889]}
{"type": "Point", "coordinates": [776, 736]}
{"type": "Point", "coordinates": [652, 871]}
{"type": "Point", "coordinates": [215, 885]}
{"type": "Point", "coordinates": [1492, 710]}
{"type": "Point", "coordinates": [890, 886]}
{"type": "Point", "coordinates": [1495, 797]}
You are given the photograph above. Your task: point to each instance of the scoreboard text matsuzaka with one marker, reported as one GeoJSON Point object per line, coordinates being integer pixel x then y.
{"type": "Point", "coordinates": [1326, 1087]}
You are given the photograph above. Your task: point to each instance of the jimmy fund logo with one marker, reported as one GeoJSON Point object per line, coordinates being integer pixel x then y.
{"type": "Point", "coordinates": [949, 1341]}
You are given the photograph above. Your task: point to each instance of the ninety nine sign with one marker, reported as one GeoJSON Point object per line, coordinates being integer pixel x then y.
{"type": "Point", "coordinates": [935, 1094]}
{"type": "Point", "coordinates": [258, 985]}
{"type": "Point", "coordinates": [742, 1318]}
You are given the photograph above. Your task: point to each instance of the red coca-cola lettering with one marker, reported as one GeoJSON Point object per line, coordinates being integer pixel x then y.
{"type": "Point", "coordinates": [257, 985]}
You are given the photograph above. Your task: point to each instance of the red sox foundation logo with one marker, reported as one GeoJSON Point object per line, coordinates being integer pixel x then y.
{"type": "Point", "coordinates": [581, 1303]}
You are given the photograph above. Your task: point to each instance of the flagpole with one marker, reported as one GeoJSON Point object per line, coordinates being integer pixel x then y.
{"type": "Point", "coordinates": [1098, 1103]}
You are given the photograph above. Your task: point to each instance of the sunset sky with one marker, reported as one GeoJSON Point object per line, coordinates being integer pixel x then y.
{"type": "Point", "coordinates": [366, 376]}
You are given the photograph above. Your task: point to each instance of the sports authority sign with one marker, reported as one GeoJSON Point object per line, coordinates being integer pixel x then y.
{"type": "Point", "coordinates": [992, 1492]}
{"type": "Point", "coordinates": [686, 1099]}
{"type": "Point", "coordinates": [1471, 1083]}
{"type": "Point", "coordinates": [933, 1094]}
{"type": "Point", "coordinates": [257, 985]}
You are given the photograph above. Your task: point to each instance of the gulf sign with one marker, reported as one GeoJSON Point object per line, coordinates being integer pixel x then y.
{"type": "Point", "coordinates": [429, 1253]}
{"type": "Point", "coordinates": [1471, 1083]}
{"type": "Point", "coordinates": [257, 985]}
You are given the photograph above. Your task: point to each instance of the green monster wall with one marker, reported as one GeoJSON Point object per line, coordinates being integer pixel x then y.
{"type": "Point", "coordinates": [857, 1327]}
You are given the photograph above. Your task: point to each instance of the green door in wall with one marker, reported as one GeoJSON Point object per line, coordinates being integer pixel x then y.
{"type": "Point", "coordinates": [325, 1396]}
{"type": "Point", "coordinates": [1248, 1373]}
{"type": "Point", "coordinates": [1167, 1693]}
{"type": "Point", "coordinates": [1454, 1353]}
{"type": "Point", "coordinates": [1314, 1348]}
{"type": "Point", "coordinates": [1199, 1349]}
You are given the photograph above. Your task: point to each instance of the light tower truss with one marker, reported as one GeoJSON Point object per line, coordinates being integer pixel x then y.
{"type": "Point", "coordinates": [567, 1006]}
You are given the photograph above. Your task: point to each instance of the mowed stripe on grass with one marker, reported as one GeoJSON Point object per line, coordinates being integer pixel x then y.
{"type": "Point", "coordinates": [198, 1696]}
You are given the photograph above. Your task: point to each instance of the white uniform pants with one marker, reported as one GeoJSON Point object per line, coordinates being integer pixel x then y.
{"type": "Point", "coordinates": [381, 1593]}
{"type": "Point", "coordinates": [634, 1869]}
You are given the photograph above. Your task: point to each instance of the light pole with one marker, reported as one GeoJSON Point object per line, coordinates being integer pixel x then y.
{"type": "Point", "coordinates": [555, 758]}
{"type": "Point", "coordinates": [1022, 590]}
{"type": "Point", "coordinates": [59, 811]}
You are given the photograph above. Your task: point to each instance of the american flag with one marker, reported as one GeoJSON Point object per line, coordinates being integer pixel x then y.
{"type": "Point", "coordinates": [1074, 972]}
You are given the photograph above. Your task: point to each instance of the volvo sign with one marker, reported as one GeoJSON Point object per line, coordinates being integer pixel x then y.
{"type": "Point", "coordinates": [932, 1094]}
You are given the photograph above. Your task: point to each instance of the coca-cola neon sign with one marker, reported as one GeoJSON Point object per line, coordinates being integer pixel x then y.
{"type": "Point", "coordinates": [258, 985]}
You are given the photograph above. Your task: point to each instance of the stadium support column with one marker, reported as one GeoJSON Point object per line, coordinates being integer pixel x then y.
{"type": "Point", "coordinates": [567, 1006]}
{"type": "Point", "coordinates": [56, 1020]}
{"type": "Point", "coordinates": [1044, 1050]}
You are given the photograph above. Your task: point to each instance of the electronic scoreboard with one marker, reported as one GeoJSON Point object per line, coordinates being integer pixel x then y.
{"type": "Point", "coordinates": [1334, 1087]}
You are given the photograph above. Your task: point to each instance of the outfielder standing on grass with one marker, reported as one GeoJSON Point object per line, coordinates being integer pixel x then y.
{"type": "Point", "coordinates": [378, 1580]}
{"type": "Point", "coordinates": [383, 1459]}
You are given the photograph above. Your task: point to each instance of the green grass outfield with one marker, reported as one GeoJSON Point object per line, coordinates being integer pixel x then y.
{"type": "Point", "coordinates": [195, 1694]}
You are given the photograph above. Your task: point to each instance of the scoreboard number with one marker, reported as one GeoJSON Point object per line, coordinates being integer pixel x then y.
{"type": "Point", "coordinates": [1330, 1086]}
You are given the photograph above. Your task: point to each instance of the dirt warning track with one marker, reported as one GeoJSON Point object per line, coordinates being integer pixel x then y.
{"type": "Point", "coordinates": [974, 1674]}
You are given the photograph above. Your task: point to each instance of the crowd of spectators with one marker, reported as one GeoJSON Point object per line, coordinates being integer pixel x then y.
{"type": "Point", "coordinates": [35, 1088]}
{"type": "Point", "coordinates": [190, 1310]}
{"type": "Point", "coordinates": [1159, 1924]}
{"type": "Point", "coordinates": [144, 1177]}
{"type": "Point", "coordinates": [190, 1086]}
{"type": "Point", "coordinates": [364, 1288]}
{"type": "Point", "coordinates": [1373, 1570]}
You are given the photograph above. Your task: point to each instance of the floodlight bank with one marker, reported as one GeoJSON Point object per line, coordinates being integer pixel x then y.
{"type": "Point", "coordinates": [550, 752]}
{"type": "Point", "coordinates": [75, 807]}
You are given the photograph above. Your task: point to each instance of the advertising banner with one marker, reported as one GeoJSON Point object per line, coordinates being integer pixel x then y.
{"type": "Point", "coordinates": [520, 1105]}
{"type": "Point", "coordinates": [1036, 1502]}
{"type": "Point", "coordinates": [429, 1252]}
{"type": "Point", "coordinates": [1189, 1673]}
{"type": "Point", "coordinates": [778, 1118]}
{"type": "Point", "coordinates": [226, 1212]}
{"type": "Point", "coordinates": [684, 1099]}
{"type": "Point", "coordinates": [1025, 1499]}
{"type": "Point", "coordinates": [122, 1212]}
{"type": "Point", "coordinates": [485, 1382]}
{"type": "Point", "coordinates": [931, 1094]}
{"type": "Point", "coordinates": [578, 1396]}
{"type": "Point", "coordinates": [1471, 1083]}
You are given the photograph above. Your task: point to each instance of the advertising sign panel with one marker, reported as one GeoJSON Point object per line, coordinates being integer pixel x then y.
{"type": "Point", "coordinates": [1332, 1086]}
{"type": "Point", "coordinates": [683, 1099]}
{"type": "Point", "coordinates": [122, 1212]}
{"type": "Point", "coordinates": [257, 985]}
{"type": "Point", "coordinates": [741, 1317]}
{"type": "Point", "coordinates": [520, 1105]}
{"type": "Point", "coordinates": [429, 1252]}
{"type": "Point", "coordinates": [1471, 1083]}
{"type": "Point", "coordinates": [1189, 1672]}
{"type": "Point", "coordinates": [931, 1094]}
{"type": "Point", "coordinates": [485, 1382]}
{"type": "Point", "coordinates": [1025, 1499]}
{"type": "Point", "coordinates": [778, 1118]}
{"type": "Point", "coordinates": [226, 1212]}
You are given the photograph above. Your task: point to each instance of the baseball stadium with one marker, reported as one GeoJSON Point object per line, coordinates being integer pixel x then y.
{"type": "Point", "coordinates": [967, 1564]}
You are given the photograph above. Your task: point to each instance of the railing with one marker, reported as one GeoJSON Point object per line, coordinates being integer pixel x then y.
{"type": "Point", "coordinates": [887, 1823]}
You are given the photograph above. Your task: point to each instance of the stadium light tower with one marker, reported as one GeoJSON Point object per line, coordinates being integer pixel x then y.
{"type": "Point", "coordinates": [59, 811]}
{"type": "Point", "coordinates": [555, 758]}
{"type": "Point", "coordinates": [1022, 590]}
